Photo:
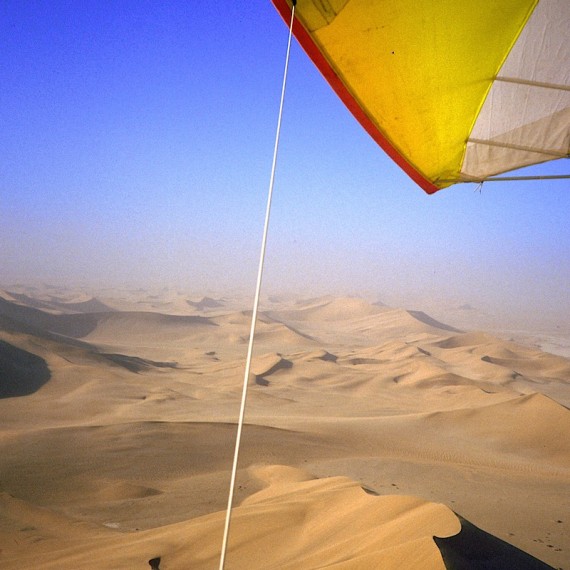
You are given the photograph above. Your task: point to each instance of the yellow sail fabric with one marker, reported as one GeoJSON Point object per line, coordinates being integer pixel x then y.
{"type": "Point", "coordinates": [453, 90]}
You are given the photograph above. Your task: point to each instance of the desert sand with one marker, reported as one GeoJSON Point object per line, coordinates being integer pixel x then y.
{"type": "Point", "coordinates": [375, 436]}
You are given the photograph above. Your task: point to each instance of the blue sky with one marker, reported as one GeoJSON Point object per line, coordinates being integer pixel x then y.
{"type": "Point", "coordinates": [136, 148]}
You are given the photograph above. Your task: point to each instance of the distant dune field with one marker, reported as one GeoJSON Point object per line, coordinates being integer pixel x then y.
{"type": "Point", "coordinates": [375, 437]}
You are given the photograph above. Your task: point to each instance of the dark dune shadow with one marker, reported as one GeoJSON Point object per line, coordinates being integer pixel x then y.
{"type": "Point", "coordinates": [205, 303]}
{"type": "Point", "coordinates": [136, 364]}
{"type": "Point", "coordinates": [276, 317]}
{"type": "Point", "coordinates": [427, 320]}
{"type": "Point", "coordinates": [30, 301]}
{"type": "Point", "coordinates": [77, 325]}
{"type": "Point", "coordinates": [328, 357]}
{"type": "Point", "coordinates": [21, 372]}
{"type": "Point", "coordinates": [14, 326]}
{"type": "Point", "coordinates": [283, 364]}
{"type": "Point", "coordinates": [475, 549]}
{"type": "Point", "coordinates": [92, 305]}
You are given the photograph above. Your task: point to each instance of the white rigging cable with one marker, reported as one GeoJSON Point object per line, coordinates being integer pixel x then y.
{"type": "Point", "coordinates": [255, 304]}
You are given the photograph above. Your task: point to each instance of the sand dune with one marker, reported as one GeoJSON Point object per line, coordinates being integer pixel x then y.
{"type": "Point", "coordinates": [6, 296]}
{"type": "Point", "coordinates": [77, 304]}
{"type": "Point", "coordinates": [331, 309]}
{"type": "Point", "coordinates": [467, 340]}
{"type": "Point", "coordinates": [295, 522]}
{"type": "Point", "coordinates": [424, 318]}
{"type": "Point", "coordinates": [206, 303]}
{"type": "Point", "coordinates": [357, 322]}
{"type": "Point", "coordinates": [524, 369]}
{"type": "Point", "coordinates": [73, 325]}
{"type": "Point", "coordinates": [134, 326]}
{"type": "Point", "coordinates": [532, 427]}
{"type": "Point", "coordinates": [125, 420]}
{"type": "Point", "coordinates": [89, 305]}
{"type": "Point", "coordinates": [26, 301]}
{"type": "Point", "coordinates": [266, 366]}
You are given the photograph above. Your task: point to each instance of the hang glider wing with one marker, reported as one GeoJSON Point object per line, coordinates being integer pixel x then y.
{"type": "Point", "coordinates": [452, 90]}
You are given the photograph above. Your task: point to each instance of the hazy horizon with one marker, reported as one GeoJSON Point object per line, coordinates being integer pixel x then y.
{"type": "Point", "coordinates": [137, 144]}
{"type": "Point", "coordinates": [455, 311]}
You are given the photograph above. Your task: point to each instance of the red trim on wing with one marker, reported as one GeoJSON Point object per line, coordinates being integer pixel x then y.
{"type": "Point", "coordinates": [346, 97]}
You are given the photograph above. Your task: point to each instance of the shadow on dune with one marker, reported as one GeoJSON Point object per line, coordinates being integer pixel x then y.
{"type": "Point", "coordinates": [92, 305]}
{"type": "Point", "coordinates": [427, 320]}
{"type": "Point", "coordinates": [205, 303]}
{"type": "Point", "coordinates": [79, 325]}
{"type": "Point", "coordinates": [136, 364]}
{"type": "Point", "coordinates": [75, 325]}
{"type": "Point", "coordinates": [21, 372]}
{"type": "Point", "coordinates": [475, 549]}
{"type": "Point", "coordinates": [281, 364]}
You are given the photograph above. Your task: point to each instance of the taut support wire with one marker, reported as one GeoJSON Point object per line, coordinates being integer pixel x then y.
{"type": "Point", "coordinates": [255, 304]}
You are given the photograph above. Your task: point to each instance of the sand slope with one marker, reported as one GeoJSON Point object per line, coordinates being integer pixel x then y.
{"type": "Point", "coordinates": [294, 522]}
{"type": "Point", "coordinates": [117, 429]}
{"type": "Point", "coordinates": [299, 524]}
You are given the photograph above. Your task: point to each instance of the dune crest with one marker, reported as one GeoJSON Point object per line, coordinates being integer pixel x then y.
{"type": "Point", "coordinates": [296, 521]}
{"type": "Point", "coordinates": [332, 309]}
{"type": "Point", "coordinates": [305, 523]}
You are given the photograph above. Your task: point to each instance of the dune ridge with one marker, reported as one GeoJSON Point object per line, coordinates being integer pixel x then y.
{"type": "Point", "coordinates": [295, 521]}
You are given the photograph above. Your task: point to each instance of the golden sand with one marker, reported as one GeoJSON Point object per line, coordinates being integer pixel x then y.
{"type": "Point", "coordinates": [369, 429]}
